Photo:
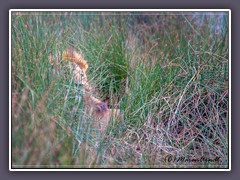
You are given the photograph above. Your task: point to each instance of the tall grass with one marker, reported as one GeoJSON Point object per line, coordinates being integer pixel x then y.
{"type": "Point", "coordinates": [167, 72]}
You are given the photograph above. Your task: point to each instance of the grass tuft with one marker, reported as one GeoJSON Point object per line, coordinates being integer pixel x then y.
{"type": "Point", "coordinates": [167, 72]}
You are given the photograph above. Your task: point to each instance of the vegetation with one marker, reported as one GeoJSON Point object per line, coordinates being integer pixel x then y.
{"type": "Point", "coordinates": [166, 71]}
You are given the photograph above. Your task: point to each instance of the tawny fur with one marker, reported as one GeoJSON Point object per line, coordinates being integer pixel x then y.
{"type": "Point", "coordinates": [76, 58]}
{"type": "Point", "coordinates": [101, 113]}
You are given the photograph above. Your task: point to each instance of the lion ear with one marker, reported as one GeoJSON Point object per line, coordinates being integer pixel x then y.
{"type": "Point", "coordinates": [80, 61]}
{"type": "Point", "coordinates": [76, 58]}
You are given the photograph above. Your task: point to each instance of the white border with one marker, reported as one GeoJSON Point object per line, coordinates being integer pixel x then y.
{"type": "Point", "coordinates": [111, 10]}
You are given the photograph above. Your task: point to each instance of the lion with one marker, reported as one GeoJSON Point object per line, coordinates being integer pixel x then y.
{"type": "Point", "coordinates": [100, 111]}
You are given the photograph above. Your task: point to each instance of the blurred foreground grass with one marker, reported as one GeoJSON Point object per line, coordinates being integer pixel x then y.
{"type": "Point", "coordinates": [168, 73]}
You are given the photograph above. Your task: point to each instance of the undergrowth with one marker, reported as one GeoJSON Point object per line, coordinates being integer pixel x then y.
{"type": "Point", "coordinates": [167, 72]}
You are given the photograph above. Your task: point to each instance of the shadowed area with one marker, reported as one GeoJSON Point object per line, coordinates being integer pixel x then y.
{"type": "Point", "coordinates": [101, 107]}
